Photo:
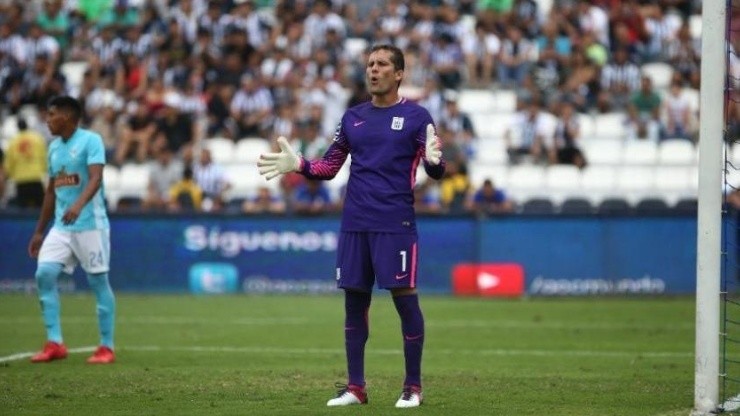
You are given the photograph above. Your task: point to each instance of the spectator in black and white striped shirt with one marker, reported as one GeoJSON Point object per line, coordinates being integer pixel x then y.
{"type": "Point", "coordinates": [619, 79]}
{"type": "Point", "coordinates": [251, 108]}
{"type": "Point", "coordinates": [212, 180]}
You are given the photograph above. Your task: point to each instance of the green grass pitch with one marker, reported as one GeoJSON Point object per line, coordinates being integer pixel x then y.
{"type": "Point", "coordinates": [281, 355]}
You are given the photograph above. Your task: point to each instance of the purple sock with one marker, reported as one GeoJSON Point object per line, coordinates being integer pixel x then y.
{"type": "Point", "coordinates": [356, 332]}
{"type": "Point", "coordinates": [412, 326]}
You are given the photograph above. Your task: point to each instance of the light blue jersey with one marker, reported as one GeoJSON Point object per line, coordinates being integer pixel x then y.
{"type": "Point", "coordinates": [68, 163]}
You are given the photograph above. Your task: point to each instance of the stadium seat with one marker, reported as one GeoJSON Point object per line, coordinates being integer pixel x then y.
{"type": "Point", "coordinates": [355, 47]}
{"type": "Point", "coordinates": [473, 101]}
{"type": "Point", "coordinates": [611, 125]}
{"type": "Point", "coordinates": [598, 182]}
{"type": "Point", "coordinates": [248, 150]}
{"type": "Point", "coordinates": [673, 183]}
{"type": "Point", "coordinates": [614, 206]}
{"type": "Point", "coordinates": [660, 72]}
{"type": "Point", "coordinates": [694, 180]}
{"type": "Point", "coordinates": [652, 205]}
{"type": "Point", "coordinates": [74, 72]}
{"type": "Point", "coordinates": [491, 125]}
{"type": "Point", "coordinates": [538, 206]}
{"type": "Point", "coordinates": [562, 181]}
{"type": "Point", "coordinates": [733, 156]}
{"type": "Point", "coordinates": [526, 182]}
{"type": "Point", "coordinates": [133, 180]}
{"type": "Point", "coordinates": [505, 100]}
{"type": "Point", "coordinates": [480, 171]}
{"type": "Point", "coordinates": [635, 182]}
{"type": "Point", "coordinates": [695, 26]}
{"type": "Point", "coordinates": [111, 177]}
{"type": "Point", "coordinates": [491, 150]}
{"type": "Point", "coordinates": [544, 7]}
{"type": "Point", "coordinates": [234, 205]}
{"type": "Point", "coordinates": [686, 205]}
{"type": "Point", "coordinates": [245, 180]}
{"type": "Point", "coordinates": [111, 185]}
{"type": "Point", "coordinates": [693, 97]}
{"type": "Point", "coordinates": [222, 149]}
{"type": "Point", "coordinates": [129, 204]}
{"type": "Point", "coordinates": [8, 129]}
{"type": "Point", "coordinates": [603, 151]}
{"type": "Point", "coordinates": [587, 126]}
{"type": "Point", "coordinates": [640, 153]}
{"type": "Point", "coordinates": [576, 206]}
{"type": "Point", "coordinates": [732, 177]}
{"type": "Point", "coordinates": [676, 152]}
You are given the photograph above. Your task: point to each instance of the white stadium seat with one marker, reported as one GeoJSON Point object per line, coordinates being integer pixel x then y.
{"type": "Point", "coordinates": [8, 129]}
{"type": "Point", "coordinates": [111, 184]}
{"type": "Point", "coordinates": [562, 182]}
{"type": "Point", "coordinates": [245, 180]}
{"type": "Point", "coordinates": [693, 97]}
{"type": "Point", "coordinates": [673, 183]}
{"type": "Point", "coordinates": [603, 151]}
{"type": "Point", "coordinates": [505, 101]}
{"type": "Point", "coordinates": [133, 180]}
{"type": "Point", "coordinates": [636, 182]}
{"type": "Point", "coordinates": [587, 126]}
{"type": "Point", "coordinates": [676, 152]}
{"type": "Point", "coordinates": [111, 177]}
{"type": "Point", "coordinates": [527, 182]}
{"type": "Point", "coordinates": [611, 125]}
{"type": "Point", "coordinates": [74, 72]}
{"type": "Point", "coordinates": [491, 150]}
{"type": "Point", "coordinates": [473, 101]}
{"type": "Point", "coordinates": [491, 125]}
{"type": "Point", "coordinates": [660, 72]}
{"type": "Point", "coordinates": [480, 171]}
{"type": "Point", "coordinates": [222, 149]}
{"type": "Point", "coordinates": [598, 182]}
{"type": "Point", "coordinates": [640, 153]}
{"type": "Point", "coordinates": [248, 150]}
{"type": "Point", "coordinates": [355, 47]}
{"type": "Point", "coordinates": [695, 26]}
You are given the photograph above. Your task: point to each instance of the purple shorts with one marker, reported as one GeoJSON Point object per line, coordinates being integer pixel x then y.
{"type": "Point", "coordinates": [364, 257]}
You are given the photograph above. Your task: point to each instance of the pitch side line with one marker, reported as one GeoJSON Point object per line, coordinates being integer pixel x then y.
{"type": "Point", "coordinates": [336, 351]}
{"type": "Point", "coordinates": [479, 323]}
{"type": "Point", "coordinates": [24, 355]}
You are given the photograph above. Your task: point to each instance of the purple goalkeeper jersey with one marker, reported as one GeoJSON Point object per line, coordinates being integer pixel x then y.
{"type": "Point", "coordinates": [386, 145]}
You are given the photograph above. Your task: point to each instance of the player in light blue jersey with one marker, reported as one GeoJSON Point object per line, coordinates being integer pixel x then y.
{"type": "Point", "coordinates": [80, 233]}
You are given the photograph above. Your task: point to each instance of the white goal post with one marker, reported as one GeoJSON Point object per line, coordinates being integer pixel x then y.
{"type": "Point", "coordinates": [709, 224]}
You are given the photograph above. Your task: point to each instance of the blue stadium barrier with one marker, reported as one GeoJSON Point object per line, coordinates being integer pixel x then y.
{"type": "Point", "coordinates": [560, 255]}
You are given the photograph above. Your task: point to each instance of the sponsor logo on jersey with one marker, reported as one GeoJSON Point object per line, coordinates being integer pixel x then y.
{"type": "Point", "coordinates": [64, 179]}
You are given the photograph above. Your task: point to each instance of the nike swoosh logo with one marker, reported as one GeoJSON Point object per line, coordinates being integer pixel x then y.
{"type": "Point", "coordinates": [357, 123]}
{"type": "Point", "coordinates": [401, 276]}
{"type": "Point", "coordinates": [412, 338]}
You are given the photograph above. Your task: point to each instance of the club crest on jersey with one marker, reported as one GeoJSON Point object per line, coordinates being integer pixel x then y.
{"type": "Point", "coordinates": [397, 123]}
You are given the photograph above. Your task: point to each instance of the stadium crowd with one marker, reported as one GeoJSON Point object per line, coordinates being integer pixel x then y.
{"type": "Point", "coordinates": [160, 78]}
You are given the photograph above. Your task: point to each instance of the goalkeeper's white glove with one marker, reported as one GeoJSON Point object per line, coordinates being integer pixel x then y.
{"type": "Point", "coordinates": [433, 153]}
{"type": "Point", "coordinates": [274, 164]}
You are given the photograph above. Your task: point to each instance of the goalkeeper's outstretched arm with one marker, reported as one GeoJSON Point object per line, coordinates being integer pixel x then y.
{"type": "Point", "coordinates": [271, 165]}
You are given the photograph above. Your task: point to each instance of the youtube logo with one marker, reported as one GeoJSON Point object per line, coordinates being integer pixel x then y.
{"type": "Point", "coordinates": [488, 279]}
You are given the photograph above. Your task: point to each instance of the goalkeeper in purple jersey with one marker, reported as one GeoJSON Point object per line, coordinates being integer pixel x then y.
{"type": "Point", "coordinates": [387, 138]}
